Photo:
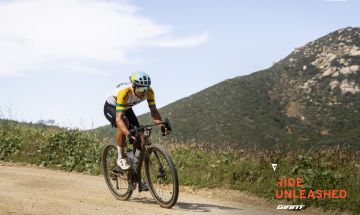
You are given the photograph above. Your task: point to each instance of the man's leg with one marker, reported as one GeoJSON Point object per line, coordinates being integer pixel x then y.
{"type": "Point", "coordinates": [121, 146]}
{"type": "Point", "coordinates": [120, 142]}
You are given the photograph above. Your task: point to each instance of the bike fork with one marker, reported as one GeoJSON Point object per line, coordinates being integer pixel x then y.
{"type": "Point", "coordinates": [161, 168]}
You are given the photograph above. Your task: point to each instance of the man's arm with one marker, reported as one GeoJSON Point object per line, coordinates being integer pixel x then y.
{"type": "Point", "coordinates": [157, 120]}
{"type": "Point", "coordinates": [155, 114]}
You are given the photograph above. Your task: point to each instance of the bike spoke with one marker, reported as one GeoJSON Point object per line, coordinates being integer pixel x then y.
{"type": "Point", "coordinates": [160, 176]}
{"type": "Point", "coordinates": [117, 179]}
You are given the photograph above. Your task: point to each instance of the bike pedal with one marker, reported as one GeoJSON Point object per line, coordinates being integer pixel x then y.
{"type": "Point", "coordinates": [118, 170]}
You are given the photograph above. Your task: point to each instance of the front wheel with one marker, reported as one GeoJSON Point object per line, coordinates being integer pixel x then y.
{"type": "Point", "coordinates": [162, 176]}
{"type": "Point", "coordinates": [116, 179]}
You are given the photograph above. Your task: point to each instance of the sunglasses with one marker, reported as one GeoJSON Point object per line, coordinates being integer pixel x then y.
{"type": "Point", "coordinates": [142, 89]}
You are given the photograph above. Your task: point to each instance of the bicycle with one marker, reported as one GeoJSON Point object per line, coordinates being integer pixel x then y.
{"type": "Point", "coordinates": [160, 171]}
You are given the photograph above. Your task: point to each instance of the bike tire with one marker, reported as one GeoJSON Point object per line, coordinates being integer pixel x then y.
{"type": "Point", "coordinates": [152, 150]}
{"type": "Point", "coordinates": [108, 164]}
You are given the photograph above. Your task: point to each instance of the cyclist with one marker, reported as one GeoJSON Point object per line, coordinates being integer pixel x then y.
{"type": "Point", "coordinates": [118, 110]}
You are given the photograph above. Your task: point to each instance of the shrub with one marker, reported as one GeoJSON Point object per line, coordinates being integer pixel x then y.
{"type": "Point", "coordinates": [9, 144]}
{"type": "Point", "coordinates": [72, 150]}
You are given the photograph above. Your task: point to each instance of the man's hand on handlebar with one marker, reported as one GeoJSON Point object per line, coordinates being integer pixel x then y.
{"type": "Point", "coordinates": [165, 129]}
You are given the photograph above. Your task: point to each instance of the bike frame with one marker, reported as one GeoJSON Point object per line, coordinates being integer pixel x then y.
{"type": "Point", "coordinates": [144, 132]}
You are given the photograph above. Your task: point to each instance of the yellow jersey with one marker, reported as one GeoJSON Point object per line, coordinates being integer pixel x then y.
{"type": "Point", "coordinates": [124, 98]}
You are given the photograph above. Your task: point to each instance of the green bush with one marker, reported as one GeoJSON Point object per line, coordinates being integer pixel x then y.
{"type": "Point", "coordinates": [9, 144]}
{"type": "Point", "coordinates": [72, 150]}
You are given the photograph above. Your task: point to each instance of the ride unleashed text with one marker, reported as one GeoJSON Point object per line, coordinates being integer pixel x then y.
{"type": "Point", "coordinates": [283, 193]}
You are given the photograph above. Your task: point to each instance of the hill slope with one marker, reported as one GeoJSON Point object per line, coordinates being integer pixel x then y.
{"type": "Point", "coordinates": [310, 98]}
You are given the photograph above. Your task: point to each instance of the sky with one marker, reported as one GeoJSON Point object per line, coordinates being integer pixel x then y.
{"type": "Point", "coordinates": [60, 59]}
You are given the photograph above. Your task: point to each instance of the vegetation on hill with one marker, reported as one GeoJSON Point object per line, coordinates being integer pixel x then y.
{"type": "Point", "coordinates": [311, 98]}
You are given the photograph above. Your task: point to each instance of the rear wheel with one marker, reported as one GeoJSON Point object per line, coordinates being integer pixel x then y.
{"type": "Point", "coordinates": [116, 179]}
{"type": "Point", "coordinates": [162, 176]}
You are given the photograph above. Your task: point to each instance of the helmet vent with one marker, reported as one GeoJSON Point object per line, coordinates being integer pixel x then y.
{"type": "Point", "coordinates": [140, 78]}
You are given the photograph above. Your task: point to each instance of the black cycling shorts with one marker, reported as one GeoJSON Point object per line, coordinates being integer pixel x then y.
{"type": "Point", "coordinates": [110, 114]}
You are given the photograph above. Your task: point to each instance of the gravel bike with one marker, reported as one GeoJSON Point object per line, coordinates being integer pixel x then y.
{"type": "Point", "coordinates": [160, 171]}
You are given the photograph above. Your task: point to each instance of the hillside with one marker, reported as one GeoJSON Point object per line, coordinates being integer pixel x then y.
{"type": "Point", "coordinates": [310, 98]}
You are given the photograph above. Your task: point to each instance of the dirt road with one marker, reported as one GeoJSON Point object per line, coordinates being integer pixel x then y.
{"type": "Point", "coordinates": [34, 190]}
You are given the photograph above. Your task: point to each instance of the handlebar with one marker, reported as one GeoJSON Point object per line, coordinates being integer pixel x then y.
{"type": "Point", "coordinates": [134, 131]}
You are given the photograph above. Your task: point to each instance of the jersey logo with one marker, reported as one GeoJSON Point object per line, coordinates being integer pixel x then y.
{"type": "Point", "coordinates": [122, 84]}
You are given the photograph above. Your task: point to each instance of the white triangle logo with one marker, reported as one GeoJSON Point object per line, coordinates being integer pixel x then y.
{"type": "Point", "coordinates": [274, 165]}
